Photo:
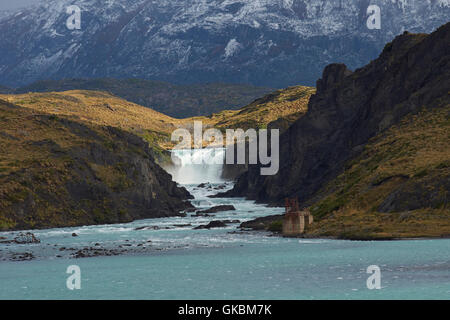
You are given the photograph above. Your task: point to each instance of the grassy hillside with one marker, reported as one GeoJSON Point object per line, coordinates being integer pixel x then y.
{"type": "Point", "coordinates": [57, 172]}
{"type": "Point", "coordinates": [179, 101]}
{"type": "Point", "coordinates": [285, 105]}
{"type": "Point", "coordinates": [98, 107]}
{"type": "Point", "coordinates": [104, 109]}
{"type": "Point", "coordinates": [398, 187]}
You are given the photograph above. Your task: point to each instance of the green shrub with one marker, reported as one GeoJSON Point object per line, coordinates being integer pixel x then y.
{"type": "Point", "coordinates": [276, 226]}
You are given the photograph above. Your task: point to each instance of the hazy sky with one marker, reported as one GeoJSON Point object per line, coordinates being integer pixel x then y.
{"type": "Point", "coordinates": [13, 4]}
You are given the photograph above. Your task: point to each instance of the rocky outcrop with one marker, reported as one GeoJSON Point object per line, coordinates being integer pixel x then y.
{"type": "Point", "coordinates": [216, 224]}
{"type": "Point", "coordinates": [233, 171]}
{"type": "Point", "coordinates": [217, 209]}
{"type": "Point", "coordinates": [348, 109]}
{"type": "Point", "coordinates": [262, 223]}
{"type": "Point", "coordinates": [75, 174]}
{"type": "Point", "coordinates": [22, 238]}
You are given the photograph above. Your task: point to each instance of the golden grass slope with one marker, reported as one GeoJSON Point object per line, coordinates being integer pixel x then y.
{"type": "Point", "coordinates": [104, 109]}
{"type": "Point", "coordinates": [96, 107]}
{"type": "Point", "coordinates": [289, 104]}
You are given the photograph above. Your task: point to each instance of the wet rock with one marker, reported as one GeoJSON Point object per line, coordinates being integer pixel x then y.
{"type": "Point", "coordinates": [151, 228]}
{"type": "Point", "coordinates": [237, 232]}
{"type": "Point", "coordinates": [74, 235]}
{"type": "Point", "coordinates": [95, 252]}
{"type": "Point", "coordinates": [231, 221]}
{"type": "Point", "coordinates": [26, 238]}
{"type": "Point", "coordinates": [25, 256]}
{"type": "Point", "coordinates": [220, 187]}
{"type": "Point", "coordinates": [202, 215]}
{"type": "Point", "coordinates": [212, 224]}
{"type": "Point", "coordinates": [217, 209]}
{"type": "Point", "coordinates": [182, 225]}
{"type": "Point", "coordinates": [262, 223]}
{"type": "Point", "coordinates": [217, 224]}
{"type": "Point", "coordinates": [204, 185]}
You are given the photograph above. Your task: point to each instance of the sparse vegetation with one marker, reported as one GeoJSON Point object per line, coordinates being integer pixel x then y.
{"type": "Point", "coordinates": [287, 104]}
{"type": "Point", "coordinates": [276, 226]}
{"type": "Point", "coordinates": [397, 188]}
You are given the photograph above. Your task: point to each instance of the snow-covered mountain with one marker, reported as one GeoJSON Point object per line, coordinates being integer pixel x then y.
{"type": "Point", "coordinates": [263, 42]}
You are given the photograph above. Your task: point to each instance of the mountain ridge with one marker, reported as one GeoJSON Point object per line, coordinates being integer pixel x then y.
{"type": "Point", "coordinates": [179, 101]}
{"type": "Point", "coordinates": [59, 172]}
{"type": "Point", "coordinates": [348, 109]}
{"type": "Point", "coordinates": [261, 42]}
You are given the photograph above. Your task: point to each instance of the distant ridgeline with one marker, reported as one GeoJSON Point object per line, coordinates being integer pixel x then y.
{"type": "Point", "coordinates": [179, 101]}
{"type": "Point", "coordinates": [371, 156]}
{"type": "Point", "coordinates": [264, 43]}
{"type": "Point", "coordinates": [277, 109]}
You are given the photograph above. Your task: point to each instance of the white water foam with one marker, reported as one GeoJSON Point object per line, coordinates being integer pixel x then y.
{"type": "Point", "coordinates": [198, 165]}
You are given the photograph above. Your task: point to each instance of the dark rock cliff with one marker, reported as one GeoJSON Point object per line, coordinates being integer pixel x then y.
{"type": "Point", "coordinates": [349, 108]}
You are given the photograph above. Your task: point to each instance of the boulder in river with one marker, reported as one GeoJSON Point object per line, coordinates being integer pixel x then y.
{"type": "Point", "coordinates": [216, 224]}
{"type": "Point", "coordinates": [25, 238]}
{"type": "Point", "coordinates": [218, 209]}
{"type": "Point", "coordinates": [204, 185]}
{"type": "Point", "coordinates": [262, 223]}
{"type": "Point", "coordinates": [212, 224]}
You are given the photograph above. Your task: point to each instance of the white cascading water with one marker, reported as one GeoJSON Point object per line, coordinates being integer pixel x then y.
{"type": "Point", "coordinates": [198, 165]}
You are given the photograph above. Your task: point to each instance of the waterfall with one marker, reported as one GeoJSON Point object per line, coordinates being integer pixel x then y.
{"type": "Point", "coordinates": [196, 166]}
